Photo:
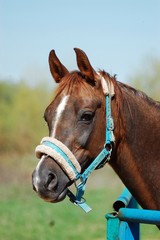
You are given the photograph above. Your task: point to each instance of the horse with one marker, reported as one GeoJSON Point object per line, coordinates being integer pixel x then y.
{"type": "Point", "coordinates": [78, 127]}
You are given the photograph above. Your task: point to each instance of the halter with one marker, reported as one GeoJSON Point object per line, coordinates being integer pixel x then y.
{"type": "Point", "coordinates": [65, 158]}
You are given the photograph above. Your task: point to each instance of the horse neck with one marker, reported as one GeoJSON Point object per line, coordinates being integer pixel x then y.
{"type": "Point", "coordinates": [136, 158]}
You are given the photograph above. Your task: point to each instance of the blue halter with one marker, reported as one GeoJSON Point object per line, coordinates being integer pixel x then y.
{"type": "Point", "coordinates": [102, 158]}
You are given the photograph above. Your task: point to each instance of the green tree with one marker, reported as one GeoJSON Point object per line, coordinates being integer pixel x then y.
{"type": "Point", "coordinates": [21, 122]}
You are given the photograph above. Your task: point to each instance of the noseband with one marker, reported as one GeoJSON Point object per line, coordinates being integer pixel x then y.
{"type": "Point", "coordinates": [64, 157]}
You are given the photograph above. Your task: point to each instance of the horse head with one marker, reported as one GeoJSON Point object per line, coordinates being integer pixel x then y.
{"type": "Point", "coordinates": [76, 122]}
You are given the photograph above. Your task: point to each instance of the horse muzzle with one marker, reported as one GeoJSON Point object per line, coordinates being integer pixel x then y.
{"type": "Point", "coordinates": [49, 181]}
{"type": "Point", "coordinates": [56, 170]}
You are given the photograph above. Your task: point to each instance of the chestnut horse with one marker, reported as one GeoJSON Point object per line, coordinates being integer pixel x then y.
{"type": "Point", "coordinates": [77, 125]}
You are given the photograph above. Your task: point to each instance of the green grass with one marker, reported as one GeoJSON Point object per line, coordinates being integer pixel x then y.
{"type": "Point", "coordinates": [24, 216]}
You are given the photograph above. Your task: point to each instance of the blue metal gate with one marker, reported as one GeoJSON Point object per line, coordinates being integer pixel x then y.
{"type": "Point", "coordinates": [124, 223]}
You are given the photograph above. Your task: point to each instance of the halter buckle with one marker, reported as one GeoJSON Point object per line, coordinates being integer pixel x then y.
{"type": "Point", "coordinates": [82, 204]}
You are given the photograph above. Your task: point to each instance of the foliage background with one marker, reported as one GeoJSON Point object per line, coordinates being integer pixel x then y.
{"type": "Point", "coordinates": [22, 214]}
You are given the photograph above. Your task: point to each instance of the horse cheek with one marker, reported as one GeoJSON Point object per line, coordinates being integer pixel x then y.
{"type": "Point", "coordinates": [82, 136]}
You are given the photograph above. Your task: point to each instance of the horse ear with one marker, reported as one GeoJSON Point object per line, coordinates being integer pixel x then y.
{"type": "Point", "coordinates": [58, 70]}
{"type": "Point", "coordinates": [84, 64]}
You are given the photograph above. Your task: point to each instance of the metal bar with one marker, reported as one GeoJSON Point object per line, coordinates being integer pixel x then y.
{"type": "Point", "coordinates": [134, 226]}
{"type": "Point", "coordinates": [112, 232]}
{"type": "Point", "coordinates": [120, 230]}
{"type": "Point", "coordinates": [124, 224]}
{"type": "Point", "coordinates": [126, 200]}
{"type": "Point", "coordinates": [139, 215]}
{"type": "Point", "coordinates": [125, 232]}
{"type": "Point", "coordinates": [123, 200]}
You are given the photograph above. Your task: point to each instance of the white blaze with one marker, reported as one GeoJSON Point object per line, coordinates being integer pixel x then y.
{"type": "Point", "coordinates": [37, 178]}
{"type": "Point", "coordinates": [59, 111]}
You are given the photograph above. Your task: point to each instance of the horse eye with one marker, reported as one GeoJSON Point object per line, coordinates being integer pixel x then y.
{"type": "Point", "coordinates": [87, 116]}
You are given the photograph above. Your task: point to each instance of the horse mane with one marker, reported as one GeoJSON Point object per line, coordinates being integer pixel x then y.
{"type": "Point", "coordinates": [120, 97]}
{"type": "Point", "coordinates": [120, 87]}
{"type": "Point", "coordinates": [139, 94]}
{"type": "Point", "coordinates": [74, 81]}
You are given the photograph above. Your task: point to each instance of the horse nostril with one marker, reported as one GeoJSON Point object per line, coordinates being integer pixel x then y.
{"type": "Point", "coordinates": [51, 182]}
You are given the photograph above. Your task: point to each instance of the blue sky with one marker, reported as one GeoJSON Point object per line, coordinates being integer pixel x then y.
{"type": "Point", "coordinates": [118, 36]}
